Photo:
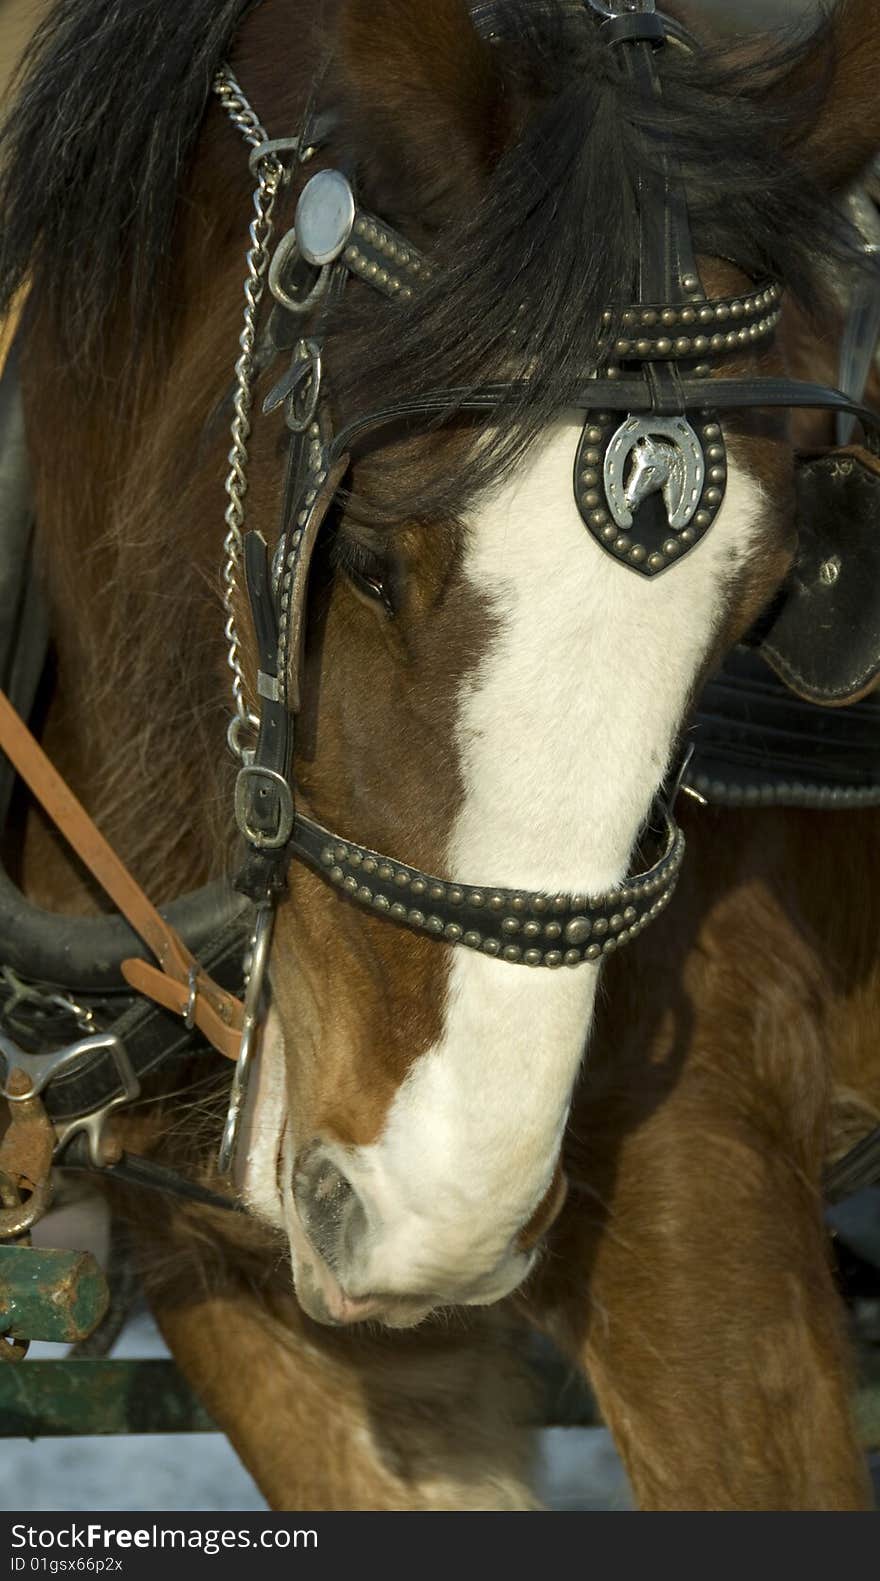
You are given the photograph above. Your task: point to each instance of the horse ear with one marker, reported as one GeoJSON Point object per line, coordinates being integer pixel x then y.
{"type": "Point", "coordinates": [422, 98]}
{"type": "Point", "coordinates": [844, 60]}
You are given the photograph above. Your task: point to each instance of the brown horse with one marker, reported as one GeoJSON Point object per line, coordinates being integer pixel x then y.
{"type": "Point", "coordinates": [487, 694]}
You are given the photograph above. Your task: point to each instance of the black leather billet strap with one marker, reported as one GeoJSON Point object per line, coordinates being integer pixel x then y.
{"type": "Point", "coordinates": [623, 395]}
{"type": "Point", "coordinates": [151, 1036]}
{"type": "Point", "coordinates": [146, 1175]}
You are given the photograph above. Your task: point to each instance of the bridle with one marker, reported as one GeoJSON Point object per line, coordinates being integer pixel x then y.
{"type": "Point", "coordinates": [650, 392]}
{"type": "Point", "coordinates": [652, 389]}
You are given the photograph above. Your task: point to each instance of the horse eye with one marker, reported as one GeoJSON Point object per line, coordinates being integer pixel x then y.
{"type": "Point", "coordinates": [368, 571]}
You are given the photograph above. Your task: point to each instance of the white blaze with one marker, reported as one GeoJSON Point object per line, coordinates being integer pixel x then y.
{"type": "Point", "coordinates": [564, 736]}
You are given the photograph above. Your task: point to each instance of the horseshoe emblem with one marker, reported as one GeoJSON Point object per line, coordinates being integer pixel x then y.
{"type": "Point", "coordinates": [649, 488]}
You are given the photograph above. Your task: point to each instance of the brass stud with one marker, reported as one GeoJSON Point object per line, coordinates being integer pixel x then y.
{"type": "Point", "coordinates": [455, 895]}
{"type": "Point", "coordinates": [643, 348]}
{"type": "Point", "coordinates": [341, 853]}
{"type": "Point", "coordinates": [401, 879]}
{"type": "Point", "coordinates": [578, 930]}
{"type": "Point", "coordinates": [717, 474]}
{"type": "Point", "coordinates": [327, 856]}
{"type": "Point", "coordinates": [453, 932]}
{"type": "Point", "coordinates": [706, 315]}
{"type": "Point", "coordinates": [437, 892]}
{"type": "Point", "coordinates": [598, 518]}
{"type": "Point", "coordinates": [711, 431]}
{"type": "Point", "coordinates": [553, 958]}
{"type": "Point", "coordinates": [472, 939]}
{"type": "Point", "coordinates": [623, 348]}
{"type": "Point", "coordinates": [688, 536]}
{"type": "Point", "coordinates": [365, 895]}
{"type": "Point", "coordinates": [491, 947]}
{"type": "Point", "coordinates": [386, 872]}
{"type": "Point", "coordinates": [671, 547]}
{"type": "Point", "coordinates": [691, 282]}
{"type": "Point", "coordinates": [656, 562]}
{"type": "Point", "coordinates": [664, 345]}
{"type": "Point", "coordinates": [622, 544]}
{"type": "Point", "coordinates": [593, 952]}
{"type": "Point", "coordinates": [398, 912]}
{"type": "Point", "coordinates": [702, 518]}
{"type": "Point", "coordinates": [572, 957]}
{"type": "Point", "coordinates": [351, 884]}
{"type": "Point", "coordinates": [476, 898]}
{"type": "Point", "coordinates": [589, 478]}
{"type": "Point", "coordinates": [532, 930]}
{"type": "Point", "coordinates": [510, 925]}
{"type": "Point", "coordinates": [649, 316]}
{"type": "Point", "coordinates": [512, 952]}
{"type": "Point", "coordinates": [609, 533]}
{"type": "Point", "coordinates": [416, 918]}
{"type": "Point", "coordinates": [682, 346]}
{"type": "Point", "coordinates": [419, 887]}
{"type": "Point", "coordinates": [434, 924]}
{"type": "Point", "coordinates": [736, 309]}
{"type": "Point", "coordinates": [637, 553]}
{"type": "Point", "coordinates": [701, 344]}
{"type": "Point", "coordinates": [712, 496]}
{"type": "Point", "coordinates": [552, 930]}
{"type": "Point", "coordinates": [533, 958]}
{"type": "Point", "coordinates": [381, 902]}
{"type": "Point", "coordinates": [688, 316]}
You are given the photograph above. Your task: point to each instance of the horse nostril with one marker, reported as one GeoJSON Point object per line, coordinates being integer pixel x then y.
{"type": "Point", "coordinates": [325, 1201]}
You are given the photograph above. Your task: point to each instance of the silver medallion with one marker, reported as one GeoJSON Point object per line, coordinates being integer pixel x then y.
{"type": "Point", "coordinates": [649, 488]}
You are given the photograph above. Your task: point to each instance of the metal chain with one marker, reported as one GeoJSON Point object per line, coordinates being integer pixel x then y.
{"type": "Point", "coordinates": [270, 174]}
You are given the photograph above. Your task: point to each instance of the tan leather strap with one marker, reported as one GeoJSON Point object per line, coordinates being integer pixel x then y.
{"type": "Point", "coordinates": [9, 325]}
{"type": "Point", "coordinates": [217, 1013]}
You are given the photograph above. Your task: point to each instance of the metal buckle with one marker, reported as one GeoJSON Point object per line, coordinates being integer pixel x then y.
{"type": "Point", "coordinates": [261, 839]}
{"type": "Point", "coordinates": [306, 370]}
{"type": "Point", "coordinates": [287, 253]}
{"type": "Point", "coordinates": [273, 148]}
{"type": "Point", "coordinates": [622, 7]}
{"type": "Point", "coordinates": [41, 1069]}
{"type": "Point", "coordinates": [250, 1034]}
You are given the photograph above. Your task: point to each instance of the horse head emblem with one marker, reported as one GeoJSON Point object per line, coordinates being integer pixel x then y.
{"type": "Point", "coordinates": [650, 455]}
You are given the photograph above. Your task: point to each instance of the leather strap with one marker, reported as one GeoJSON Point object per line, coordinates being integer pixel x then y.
{"type": "Point", "coordinates": [217, 1013]}
{"type": "Point", "coordinates": [9, 325]}
{"type": "Point", "coordinates": [624, 395]}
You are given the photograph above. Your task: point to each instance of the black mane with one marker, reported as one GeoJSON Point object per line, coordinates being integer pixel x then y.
{"type": "Point", "coordinates": [93, 153]}
{"type": "Point", "coordinates": [525, 279]}
{"type": "Point", "coordinates": [92, 159]}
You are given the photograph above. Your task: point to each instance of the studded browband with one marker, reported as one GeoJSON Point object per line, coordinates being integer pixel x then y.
{"type": "Point", "coordinates": [661, 350]}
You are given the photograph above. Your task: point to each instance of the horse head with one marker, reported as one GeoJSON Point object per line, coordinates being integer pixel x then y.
{"type": "Point", "coordinates": [486, 694]}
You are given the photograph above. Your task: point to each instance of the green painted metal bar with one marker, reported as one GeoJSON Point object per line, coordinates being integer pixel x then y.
{"type": "Point", "coordinates": [58, 1399]}
{"type": "Point", "coordinates": [50, 1295]}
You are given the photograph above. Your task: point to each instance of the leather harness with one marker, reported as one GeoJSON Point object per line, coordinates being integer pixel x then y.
{"type": "Point", "coordinates": [653, 397]}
